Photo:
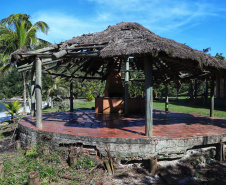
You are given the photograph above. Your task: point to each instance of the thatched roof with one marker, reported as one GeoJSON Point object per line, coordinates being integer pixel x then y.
{"type": "Point", "coordinates": [129, 39]}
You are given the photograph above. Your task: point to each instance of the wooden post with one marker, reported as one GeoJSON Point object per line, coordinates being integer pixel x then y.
{"type": "Point", "coordinates": [33, 92]}
{"type": "Point", "coordinates": [149, 97]}
{"type": "Point", "coordinates": [196, 89]}
{"type": "Point", "coordinates": [191, 90]}
{"type": "Point", "coordinates": [38, 92]}
{"type": "Point", "coordinates": [218, 91]}
{"type": "Point", "coordinates": [220, 152]}
{"type": "Point", "coordinates": [18, 145]}
{"type": "Point", "coordinates": [126, 84]}
{"type": "Point", "coordinates": [212, 98]}
{"type": "Point", "coordinates": [225, 87]}
{"type": "Point", "coordinates": [71, 96]}
{"type": "Point", "coordinates": [46, 150]}
{"type": "Point", "coordinates": [24, 93]}
{"type": "Point", "coordinates": [34, 178]}
{"type": "Point", "coordinates": [153, 165]}
{"type": "Point", "coordinates": [206, 92]}
{"type": "Point", "coordinates": [167, 99]}
{"type": "Point", "coordinates": [107, 163]}
{"type": "Point", "coordinates": [73, 160]}
{"type": "Point", "coordinates": [1, 169]}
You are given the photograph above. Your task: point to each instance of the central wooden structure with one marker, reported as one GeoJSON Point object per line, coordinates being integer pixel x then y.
{"type": "Point", "coordinates": [124, 44]}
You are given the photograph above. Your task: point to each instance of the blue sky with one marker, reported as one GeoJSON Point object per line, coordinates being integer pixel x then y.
{"type": "Point", "coordinates": [198, 23]}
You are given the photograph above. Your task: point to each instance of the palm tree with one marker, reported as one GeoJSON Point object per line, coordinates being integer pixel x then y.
{"type": "Point", "coordinates": [13, 109]}
{"type": "Point", "coordinates": [17, 32]}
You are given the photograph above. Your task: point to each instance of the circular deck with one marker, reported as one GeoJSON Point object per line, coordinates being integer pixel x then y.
{"type": "Point", "coordinates": [123, 137]}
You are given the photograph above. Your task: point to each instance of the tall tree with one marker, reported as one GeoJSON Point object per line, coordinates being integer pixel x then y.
{"type": "Point", "coordinates": [17, 32]}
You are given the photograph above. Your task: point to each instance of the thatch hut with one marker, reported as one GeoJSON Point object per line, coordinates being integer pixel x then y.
{"type": "Point", "coordinates": [161, 59]}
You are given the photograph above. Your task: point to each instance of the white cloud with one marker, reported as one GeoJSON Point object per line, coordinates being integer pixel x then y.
{"type": "Point", "coordinates": [159, 16]}
{"type": "Point", "coordinates": [63, 27]}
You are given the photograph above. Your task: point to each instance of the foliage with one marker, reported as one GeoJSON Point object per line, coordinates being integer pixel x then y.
{"type": "Point", "coordinates": [89, 97]}
{"type": "Point", "coordinates": [85, 163]}
{"type": "Point", "coordinates": [61, 105]}
{"type": "Point", "coordinates": [13, 109]}
{"type": "Point", "coordinates": [11, 85]}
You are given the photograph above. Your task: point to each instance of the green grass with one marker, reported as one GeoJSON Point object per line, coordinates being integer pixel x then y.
{"type": "Point", "coordinates": [184, 107]}
{"type": "Point", "coordinates": [17, 167]}
{"type": "Point", "coordinates": [84, 105]}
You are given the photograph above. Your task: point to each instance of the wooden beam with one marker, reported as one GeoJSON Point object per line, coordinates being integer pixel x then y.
{"type": "Point", "coordinates": [25, 66]}
{"type": "Point", "coordinates": [29, 67]}
{"type": "Point", "coordinates": [149, 97]}
{"type": "Point", "coordinates": [126, 85]}
{"type": "Point", "coordinates": [212, 97]}
{"type": "Point", "coordinates": [71, 76]}
{"type": "Point", "coordinates": [38, 92]}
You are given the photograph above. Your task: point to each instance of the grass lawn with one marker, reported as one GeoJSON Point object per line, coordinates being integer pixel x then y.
{"type": "Point", "coordinates": [184, 107]}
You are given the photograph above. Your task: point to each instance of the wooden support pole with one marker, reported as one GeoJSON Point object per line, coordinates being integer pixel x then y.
{"type": "Point", "coordinates": [126, 84]}
{"type": "Point", "coordinates": [220, 152]}
{"type": "Point", "coordinates": [206, 92]}
{"type": "Point", "coordinates": [38, 92]}
{"type": "Point", "coordinates": [34, 178]}
{"type": "Point", "coordinates": [71, 96]}
{"type": "Point", "coordinates": [33, 99]}
{"type": "Point", "coordinates": [196, 89]}
{"type": "Point", "coordinates": [149, 97]}
{"type": "Point", "coordinates": [212, 97]}
{"type": "Point", "coordinates": [167, 99]}
{"type": "Point", "coordinates": [218, 83]}
{"type": "Point", "coordinates": [1, 169]}
{"type": "Point", "coordinates": [24, 93]}
{"type": "Point", "coordinates": [191, 90]}
{"type": "Point", "coordinates": [225, 87]}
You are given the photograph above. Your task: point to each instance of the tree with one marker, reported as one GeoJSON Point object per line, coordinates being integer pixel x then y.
{"type": "Point", "coordinates": [17, 32]}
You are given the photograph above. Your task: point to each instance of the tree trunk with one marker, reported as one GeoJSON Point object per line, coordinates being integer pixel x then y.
{"type": "Point", "coordinates": [24, 93]}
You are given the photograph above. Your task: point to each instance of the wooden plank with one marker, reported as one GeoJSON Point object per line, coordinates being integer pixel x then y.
{"type": "Point", "coordinates": [38, 92]}
{"type": "Point", "coordinates": [149, 97]}
{"type": "Point", "coordinates": [212, 97]}
{"type": "Point", "coordinates": [126, 91]}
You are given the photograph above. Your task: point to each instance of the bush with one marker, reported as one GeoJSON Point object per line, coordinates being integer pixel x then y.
{"type": "Point", "coordinates": [89, 97]}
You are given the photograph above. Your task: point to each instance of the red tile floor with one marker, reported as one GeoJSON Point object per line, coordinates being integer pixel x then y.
{"type": "Point", "coordinates": [166, 125]}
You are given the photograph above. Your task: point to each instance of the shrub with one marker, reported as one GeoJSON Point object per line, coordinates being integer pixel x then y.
{"type": "Point", "coordinates": [89, 97]}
